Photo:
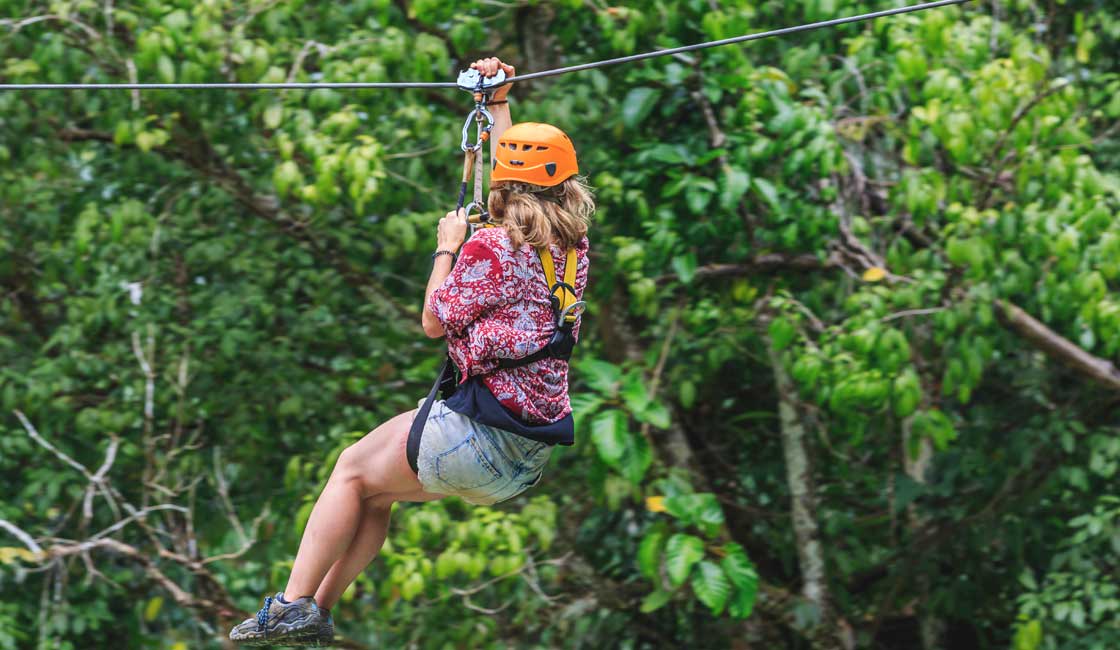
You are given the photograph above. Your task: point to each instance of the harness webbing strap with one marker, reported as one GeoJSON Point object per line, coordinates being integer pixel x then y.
{"type": "Point", "coordinates": [548, 266]}
{"type": "Point", "coordinates": [570, 268]}
{"type": "Point", "coordinates": [566, 289]}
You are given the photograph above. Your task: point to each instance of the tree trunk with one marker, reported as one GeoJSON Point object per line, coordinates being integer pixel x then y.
{"type": "Point", "coordinates": [828, 632]}
{"type": "Point", "coordinates": [917, 468]}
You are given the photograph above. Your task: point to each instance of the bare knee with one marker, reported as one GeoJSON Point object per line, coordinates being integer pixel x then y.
{"type": "Point", "coordinates": [349, 470]}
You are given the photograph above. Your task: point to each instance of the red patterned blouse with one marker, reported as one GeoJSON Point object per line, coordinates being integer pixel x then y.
{"type": "Point", "coordinates": [494, 305]}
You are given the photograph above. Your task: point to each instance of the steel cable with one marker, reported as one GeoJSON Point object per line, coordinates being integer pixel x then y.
{"type": "Point", "coordinates": [525, 77]}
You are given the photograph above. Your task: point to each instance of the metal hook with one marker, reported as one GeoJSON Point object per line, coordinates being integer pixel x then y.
{"type": "Point", "coordinates": [477, 114]}
{"type": "Point", "coordinates": [481, 219]}
{"type": "Point", "coordinates": [577, 305]}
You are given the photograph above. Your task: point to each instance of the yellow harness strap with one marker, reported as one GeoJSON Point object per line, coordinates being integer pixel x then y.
{"type": "Point", "coordinates": [563, 292]}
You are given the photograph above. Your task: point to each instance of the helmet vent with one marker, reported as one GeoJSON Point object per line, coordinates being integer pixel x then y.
{"type": "Point", "coordinates": [526, 147]}
{"type": "Point", "coordinates": [541, 148]}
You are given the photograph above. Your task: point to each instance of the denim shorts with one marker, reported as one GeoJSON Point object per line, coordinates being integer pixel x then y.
{"type": "Point", "coordinates": [479, 463]}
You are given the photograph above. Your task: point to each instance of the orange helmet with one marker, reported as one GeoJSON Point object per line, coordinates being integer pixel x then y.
{"type": "Point", "coordinates": [535, 153]}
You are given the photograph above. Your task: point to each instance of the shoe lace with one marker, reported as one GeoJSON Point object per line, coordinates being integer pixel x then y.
{"type": "Point", "coordinates": [262, 616]}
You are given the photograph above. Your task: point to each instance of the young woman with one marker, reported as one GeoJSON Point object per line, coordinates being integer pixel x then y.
{"type": "Point", "coordinates": [490, 440]}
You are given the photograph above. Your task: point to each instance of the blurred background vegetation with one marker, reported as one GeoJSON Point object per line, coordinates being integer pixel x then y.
{"type": "Point", "coordinates": [847, 379]}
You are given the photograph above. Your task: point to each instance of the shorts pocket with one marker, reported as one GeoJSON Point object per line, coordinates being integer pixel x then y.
{"type": "Point", "coordinates": [465, 467]}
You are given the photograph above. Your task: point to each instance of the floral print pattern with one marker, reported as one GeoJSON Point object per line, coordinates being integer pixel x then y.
{"type": "Point", "coordinates": [495, 305]}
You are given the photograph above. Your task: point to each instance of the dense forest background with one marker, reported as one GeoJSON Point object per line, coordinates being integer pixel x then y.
{"type": "Point", "coordinates": [848, 376]}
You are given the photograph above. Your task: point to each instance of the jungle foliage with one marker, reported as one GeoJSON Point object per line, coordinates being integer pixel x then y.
{"type": "Point", "coordinates": [847, 379]}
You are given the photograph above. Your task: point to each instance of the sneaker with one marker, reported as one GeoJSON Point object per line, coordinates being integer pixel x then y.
{"type": "Point", "coordinates": [298, 623]}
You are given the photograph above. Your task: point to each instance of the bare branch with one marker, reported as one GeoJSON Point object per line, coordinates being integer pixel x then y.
{"type": "Point", "coordinates": [99, 477]}
{"type": "Point", "coordinates": [249, 542]}
{"type": "Point", "coordinates": [34, 433]}
{"type": "Point", "coordinates": [149, 377]}
{"type": "Point", "coordinates": [19, 23]}
{"type": "Point", "coordinates": [910, 312]}
{"type": "Point", "coordinates": [1058, 347]}
{"type": "Point", "coordinates": [139, 514]}
{"type": "Point", "coordinates": [223, 493]}
{"type": "Point", "coordinates": [21, 535]}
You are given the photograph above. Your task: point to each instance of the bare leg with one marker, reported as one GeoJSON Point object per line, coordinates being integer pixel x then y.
{"type": "Point", "coordinates": [375, 465]}
{"type": "Point", "coordinates": [366, 545]}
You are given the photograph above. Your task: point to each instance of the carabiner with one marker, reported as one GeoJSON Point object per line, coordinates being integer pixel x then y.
{"type": "Point", "coordinates": [481, 219]}
{"type": "Point", "coordinates": [476, 116]}
{"type": "Point", "coordinates": [563, 317]}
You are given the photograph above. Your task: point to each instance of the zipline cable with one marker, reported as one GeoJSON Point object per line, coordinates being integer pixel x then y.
{"type": "Point", "coordinates": [737, 39]}
{"type": "Point", "coordinates": [525, 77]}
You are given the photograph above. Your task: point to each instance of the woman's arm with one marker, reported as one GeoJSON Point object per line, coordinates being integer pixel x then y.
{"type": "Point", "coordinates": [502, 121]}
{"type": "Point", "coordinates": [453, 227]}
{"type": "Point", "coordinates": [452, 231]}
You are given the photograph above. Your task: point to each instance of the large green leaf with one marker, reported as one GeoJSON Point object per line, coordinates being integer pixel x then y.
{"type": "Point", "coordinates": [743, 576]}
{"type": "Point", "coordinates": [682, 551]}
{"type": "Point", "coordinates": [638, 458]}
{"type": "Point", "coordinates": [601, 375]}
{"type": "Point", "coordinates": [701, 509]}
{"type": "Point", "coordinates": [711, 586]}
{"type": "Point", "coordinates": [609, 433]}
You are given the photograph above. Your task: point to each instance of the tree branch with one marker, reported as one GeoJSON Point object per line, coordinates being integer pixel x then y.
{"type": "Point", "coordinates": [1058, 347]}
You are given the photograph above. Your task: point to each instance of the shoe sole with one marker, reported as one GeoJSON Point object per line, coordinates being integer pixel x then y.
{"type": "Point", "coordinates": [293, 640]}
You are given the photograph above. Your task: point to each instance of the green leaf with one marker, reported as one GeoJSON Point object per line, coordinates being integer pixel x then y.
{"type": "Point", "coordinates": [583, 405]}
{"type": "Point", "coordinates": [634, 393]}
{"type": "Point", "coordinates": [701, 508]}
{"type": "Point", "coordinates": [936, 426]}
{"type": "Point", "coordinates": [686, 393]}
{"type": "Point", "coordinates": [608, 432]}
{"type": "Point", "coordinates": [740, 570]}
{"type": "Point", "coordinates": [742, 603]}
{"type": "Point", "coordinates": [273, 115]}
{"type": "Point", "coordinates": [655, 601]}
{"type": "Point", "coordinates": [601, 375]}
{"type": "Point", "coordinates": [151, 610]}
{"type": "Point", "coordinates": [782, 332]}
{"type": "Point", "coordinates": [165, 69]}
{"type": "Point", "coordinates": [637, 460]}
{"type": "Point", "coordinates": [637, 105]}
{"type": "Point", "coordinates": [685, 267]}
{"type": "Point", "coordinates": [656, 414]}
{"type": "Point", "coordinates": [649, 554]}
{"type": "Point", "coordinates": [768, 191]}
{"type": "Point", "coordinates": [681, 553]}
{"type": "Point", "coordinates": [1028, 636]}
{"type": "Point", "coordinates": [736, 182]}
{"type": "Point", "coordinates": [907, 394]}
{"type": "Point", "coordinates": [711, 586]}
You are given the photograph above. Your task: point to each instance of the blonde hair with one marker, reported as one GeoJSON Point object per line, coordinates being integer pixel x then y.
{"type": "Point", "coordinates": [538, 215]}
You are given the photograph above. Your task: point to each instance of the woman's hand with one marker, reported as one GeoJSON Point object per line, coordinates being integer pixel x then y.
{"type": "Point", "coordinates": [489, 67]}
{"type": "Point", "coordinates": [452, 231]}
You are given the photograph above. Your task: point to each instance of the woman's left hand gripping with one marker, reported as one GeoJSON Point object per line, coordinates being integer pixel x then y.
{"type": "Point", "coordinates": [452, 231]}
